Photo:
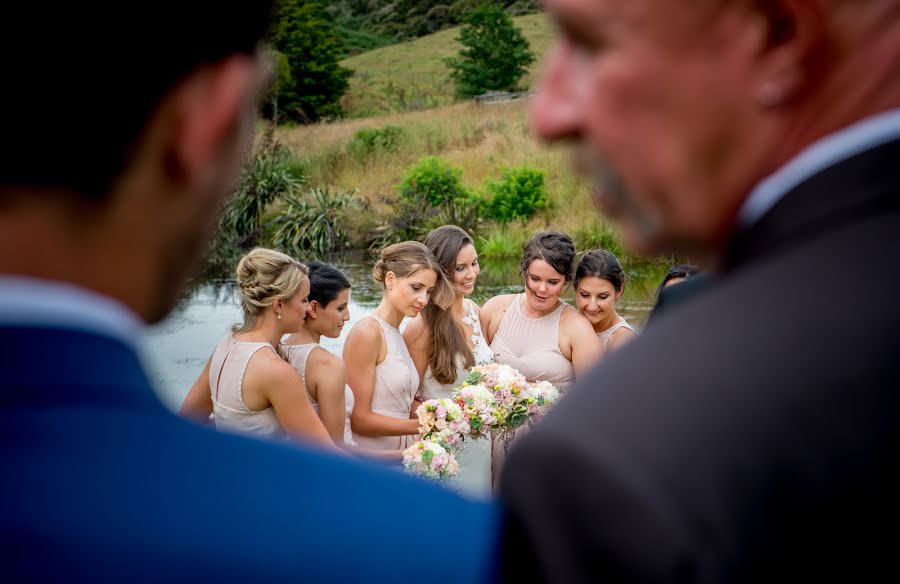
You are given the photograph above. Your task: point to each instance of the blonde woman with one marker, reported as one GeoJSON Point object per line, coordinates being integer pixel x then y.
{"type": "Point", "coordinates": [245, 383]}
{"type": "Point", "coordinates": [380, 370]}
{"type": "Point", "coordinates": [445, 343]}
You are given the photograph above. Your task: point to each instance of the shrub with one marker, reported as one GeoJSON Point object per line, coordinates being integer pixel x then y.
{"type": "Point", "coordinates": [433, 180]}
{"type": "Point", "coordinates": [370, 142]}
{"type": "Point", "coordinates": [518, 195]}
{"type": "Point", "coordinates": [434, 189]}
{"type": "Point", "coordinates": [270, 171]}
{"type": "Point", "coordinates": [597, 235]}
{"type": "Point", "coordinates": [315, 223]}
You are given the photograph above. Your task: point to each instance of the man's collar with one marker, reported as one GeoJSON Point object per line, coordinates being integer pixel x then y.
{"type": "Point", "coordinates": [26, 301]}
{"type": "Point", "coordinates": [846, 143]}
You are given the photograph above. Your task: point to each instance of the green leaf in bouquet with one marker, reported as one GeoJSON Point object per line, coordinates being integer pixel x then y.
{"type": "Point", "coordinates": [427, 455]}
{"type": "Point", "coordinates": [476, 423]}
{"type": "Point", "coordinates": [473, 377]}
{"type": "Point", "coordinates": [516, 419]}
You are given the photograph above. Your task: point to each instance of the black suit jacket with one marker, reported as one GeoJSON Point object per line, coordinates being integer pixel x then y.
{"type": "Point", "coordinates": [676, 294]}
{"type": "Point", "coordinates": [751, 434]}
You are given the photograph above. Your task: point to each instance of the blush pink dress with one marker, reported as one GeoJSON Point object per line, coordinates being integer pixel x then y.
{"type": "Point", "coordinates": [396, 383]}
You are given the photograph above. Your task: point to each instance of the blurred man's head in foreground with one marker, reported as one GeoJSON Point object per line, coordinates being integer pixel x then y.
{"type": "Point", "coordinates": [678, 109]}
{"type": "Point", "coordinates": [124, 139]}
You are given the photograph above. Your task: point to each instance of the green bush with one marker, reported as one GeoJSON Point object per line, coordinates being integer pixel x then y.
{"type": "Point", "coordinates": [408, 219]}
{"type": "Point", "coordinates": [370, 142]}
{"type": "Point", "coordinates": [270, 171]}
{"type": "Point", "coordinates": [314, 223]}
{"type": "Point", "coordinates": [431, 194]}
{"type": "Point", "coordinates": [518, 195]}
{"type": "Point", "coordinates": [598, 236]}
{"type": "Point", "coordinates": [434, 183]}
{"type": "Point", "coordinates": [502, 243]}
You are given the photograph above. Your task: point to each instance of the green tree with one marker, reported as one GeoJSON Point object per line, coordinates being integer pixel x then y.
{"type": "Point", "coordinates": [495, 53]}
{"type": "Point", "coordinates": [518, 195]}
{"type": "Point", "coordinates": [305, 34]}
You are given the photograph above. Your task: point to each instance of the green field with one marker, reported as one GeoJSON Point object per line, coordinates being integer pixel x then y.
{"type": "Point", "coordinates": [412, 76]}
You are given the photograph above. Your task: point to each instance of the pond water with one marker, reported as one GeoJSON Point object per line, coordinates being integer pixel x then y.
{"type": "Point", "coordinates": [176, 350]}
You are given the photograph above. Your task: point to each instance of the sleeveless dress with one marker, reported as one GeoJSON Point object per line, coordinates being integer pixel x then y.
{"type": "Point", "coordinates": [297, 356]}
{"type": "Point", "coordinates": [474, 460]}
{"type": "Point", "coordinates": [396, 383]}
{"type": "Point", "coordinates": [226, 377]}
{"type": "Point", "coordinates": [530, 345]}
{"type": "Point", "coordinates": [605, 335]}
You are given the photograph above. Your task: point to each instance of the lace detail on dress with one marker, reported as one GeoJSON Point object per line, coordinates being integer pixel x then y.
{"type": "Point", "coordinates": [483, 353]}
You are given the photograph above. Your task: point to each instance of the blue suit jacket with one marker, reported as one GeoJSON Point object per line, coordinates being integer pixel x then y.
{"type": "Point", "coordinates": [102, 483]}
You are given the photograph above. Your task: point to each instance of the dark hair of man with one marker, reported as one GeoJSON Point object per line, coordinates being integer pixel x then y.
{"type": "Point", "coordinates": [86, 79]}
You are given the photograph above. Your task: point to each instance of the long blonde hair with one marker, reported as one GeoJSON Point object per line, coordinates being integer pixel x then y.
{"type": "Point", "coordinates": [407, 258]}
{"type": "Point", "coordinates": [263, 276]}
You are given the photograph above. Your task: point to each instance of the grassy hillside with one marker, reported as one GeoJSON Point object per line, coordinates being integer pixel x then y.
{"type": "Point", "coordinates": [412, 76]}
{"type": "Point", "coordinates": [481, 140]}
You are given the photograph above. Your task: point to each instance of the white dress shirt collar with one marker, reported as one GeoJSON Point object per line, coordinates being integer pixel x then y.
{"type": "Point", "coordinates": [33, 302]}
{"type": "Point", "coordinates": [828, 151]}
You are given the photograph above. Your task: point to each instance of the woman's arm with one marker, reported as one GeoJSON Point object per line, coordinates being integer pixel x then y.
{"type": "Point", "coordinates": [325, 372]}
{"type": "Point", "coordinates": [417, 338]}
{"type": "Point", "coordinates": [578, 341]}
{"type": "Point", "coordinates": [619, 339]}
{"type": "Point", "coordinates": [361, 352]}
{"type": "Point", "coordinates": [276, 381]}
{"type": "Point", "coordinates": [198, 406]}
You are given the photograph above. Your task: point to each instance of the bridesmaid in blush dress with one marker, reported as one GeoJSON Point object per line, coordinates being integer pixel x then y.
{"type": "Point", "coordinates": [444, 344]}
{"type": "Point", "coordinates": [537, 332]}
{"type": "Point", "coordinates": [322, 372]}
{"type": "Point", "coordinates": [599, 282]}
{"type": "Point", "coordinates": [380, 371]}
{"type": "Point", "coordinates": [250, 389]}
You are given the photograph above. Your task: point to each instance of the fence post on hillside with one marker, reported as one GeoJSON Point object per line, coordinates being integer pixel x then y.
{"type": "Point", "coordinates": [490, 97]}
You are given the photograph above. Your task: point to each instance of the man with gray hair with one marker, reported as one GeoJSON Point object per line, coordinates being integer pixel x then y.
{"type": "Point", "coordinates": [765, 137]}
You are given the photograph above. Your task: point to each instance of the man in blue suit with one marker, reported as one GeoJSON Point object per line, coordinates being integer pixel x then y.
{"type": "Point", "coordinates": [107, 196]}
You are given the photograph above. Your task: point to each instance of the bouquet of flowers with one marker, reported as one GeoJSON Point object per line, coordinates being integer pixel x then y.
{"type": "Point", "coordinates": [430, 460]}
{"type": "Point", "coordinates": [479, 407]}
{"type": "Point", "coordinates": [442, 421]}
{"type": "Point", "coordinates": [494, 398]}
{"type": "Point", "coordinates": [511, 393]}
{"type": "Point", "coordinates": [544, 395]}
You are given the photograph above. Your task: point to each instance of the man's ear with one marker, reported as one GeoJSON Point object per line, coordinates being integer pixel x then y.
{"type": "Point", "coordinates": [794, 32]}
{"type": "Point", "coordinates": [208, 108]}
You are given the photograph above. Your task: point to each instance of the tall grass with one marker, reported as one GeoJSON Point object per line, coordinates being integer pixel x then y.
{"type": "Point", "coordinates": [482, 140]}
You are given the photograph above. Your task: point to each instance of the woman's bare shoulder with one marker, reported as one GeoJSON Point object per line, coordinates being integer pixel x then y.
{"type": "Point", "coordinates": [496, 303]}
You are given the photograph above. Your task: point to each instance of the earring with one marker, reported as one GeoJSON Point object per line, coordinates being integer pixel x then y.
{"type": "Point", "coordinates": [769, 95]}
{"type": "Point", "coordinates": [279, 316]}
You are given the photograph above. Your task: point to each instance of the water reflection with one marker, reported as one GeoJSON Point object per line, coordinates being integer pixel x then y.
{"type": "Point", "coordinates": [176, 350]}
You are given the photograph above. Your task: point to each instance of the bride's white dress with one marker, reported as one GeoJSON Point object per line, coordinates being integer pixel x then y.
{"type": "Point", "coordinates": [474, 460]}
